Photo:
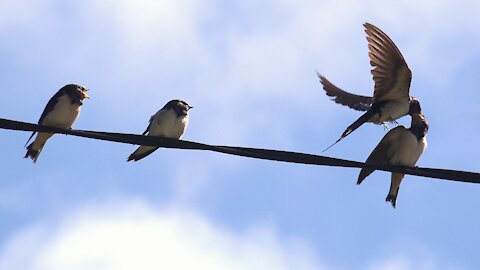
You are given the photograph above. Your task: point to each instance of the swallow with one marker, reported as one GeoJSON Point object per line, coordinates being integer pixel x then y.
{"type": "Point", "coordinates": [61, 111]}
{"type": "Point", "coordinates": [402, 147]}
{"type": "Point", "coordinates": [391, 99]}
{"type": "Point", "coordinates": [171, 121]}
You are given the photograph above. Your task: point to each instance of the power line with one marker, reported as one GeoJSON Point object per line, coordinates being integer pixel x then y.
{"type": "Point", "coordinates": [266, 154]}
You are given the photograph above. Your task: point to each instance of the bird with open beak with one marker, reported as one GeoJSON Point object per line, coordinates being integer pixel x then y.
{"type": "Point", "coordinates": [171, 121]}
{"type": "Point", "coordinates": [402, 147]}
{"type": "Point", "coordinates": [61, 111]}
{"type": "Point", "coordinates": [391, 99]}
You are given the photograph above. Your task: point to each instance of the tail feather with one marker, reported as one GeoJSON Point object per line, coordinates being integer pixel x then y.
{"type": "Point", "coordinates": [360, 121]}
{"type": "Point", "coordinates": [141, 152]}
{"type": "Point", "coordinates": [332, 145]}
{"type": "Point", "coordinates": [394, 188]}
{"type": "Point", "coordinates": [392, 198]}
{"type": "Point", "coordinates": [35, 148]}
{"type": "Point", "coordinates": [364, 173]}
{"type": "Point", "coordinates": [31, 136]}
{"type": "Point", "coordinates": [33, 153]}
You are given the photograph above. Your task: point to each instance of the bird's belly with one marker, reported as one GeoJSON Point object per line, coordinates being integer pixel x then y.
{"type": "Point", "coordinates": [393, 110]}
{"type": "Point", "coordinates": [408, 150]}
{"type": "Point", "coordinates": [63, 115]}
{"type": "Point", "coordinates": [170, 127]}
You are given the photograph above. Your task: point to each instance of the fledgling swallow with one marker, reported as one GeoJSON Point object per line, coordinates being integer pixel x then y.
{"type": "Point", "coordinates": [171, 121]}
{"type": "Point", "coordinates": [391, 99]}
{"type": "Point", "coordinates": [400, 146]}
{"type": "Point", "coordinates": [61, 111]}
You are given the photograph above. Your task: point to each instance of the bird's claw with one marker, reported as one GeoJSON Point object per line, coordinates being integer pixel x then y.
{"type": "Point", "coordinates": [385, 127]}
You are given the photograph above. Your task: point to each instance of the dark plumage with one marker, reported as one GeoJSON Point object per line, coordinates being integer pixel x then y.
{"type": "Point", "coordinates": [392, 79]}
{"type": "Point", "coordinates": [356, 102]}
{"type": "Point", "coordinates": [61, 111]}
{"type": "Point", "coordinates": [400, 146]}
{"type": "Point", "coordinates": [170, 121]}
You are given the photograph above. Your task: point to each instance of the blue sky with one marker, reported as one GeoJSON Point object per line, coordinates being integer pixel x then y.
{"type": "Point", "coordinates": [248, 68]}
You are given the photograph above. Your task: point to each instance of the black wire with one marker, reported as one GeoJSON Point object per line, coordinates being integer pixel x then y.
{"type": "Point", "coordinates": [267, 154]}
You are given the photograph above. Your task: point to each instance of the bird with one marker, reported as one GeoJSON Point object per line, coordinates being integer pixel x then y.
{"type": "Point", "coordinates": [61, 111]}
{"type": "Point", "coordinates": [402, 147]}
{"type": "Point", "coordinates": [392, 76]}
{"type": "Point", "coordinates": [171, 121]}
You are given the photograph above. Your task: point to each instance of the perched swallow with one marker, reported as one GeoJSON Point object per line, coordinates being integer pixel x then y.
{"type": "Point", "coordinates": [400, 146]}
{"type": "Point", "coordinates": [170, 121]}
{"type": "Point", "coordinates": [391, 99]}
{"type": "Point", "coordinates": [61, 111]}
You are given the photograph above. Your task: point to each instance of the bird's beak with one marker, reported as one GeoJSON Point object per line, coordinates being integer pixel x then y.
{"type": "Point", "coordinates": [85, 94]}
{"type": "Point", "coordinates": [189, 107]}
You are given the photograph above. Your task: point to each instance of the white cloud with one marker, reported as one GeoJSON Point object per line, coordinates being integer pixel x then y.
{"type": "Point", "coordinates": [143, 30]}
{"type": "Point", "coordinates": [273, 48]}
{"type": "Point", "coordinates": [245, 75]}
{"type": "Point", "coordinates": [193, 49]}
{"type": "Point", "coordinates": [251, 78]}
{"type": "Point", "coordinates": [134, 236]}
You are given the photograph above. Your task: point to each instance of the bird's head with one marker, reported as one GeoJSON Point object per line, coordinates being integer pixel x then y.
{"type": "Point", "coordinates": [76, 92]}
{"type": "Point", "coordinates": [415, 107]}
{"type": "Point", "coordinates": [419, 125]}
{"type": "Point", "coordinates": [83, 91]}
{"type": "Point", "coordinates": [179, 106]}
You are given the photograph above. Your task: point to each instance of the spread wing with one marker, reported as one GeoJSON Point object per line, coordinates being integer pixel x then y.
{"type": "Point", "coordinates": [356, 102]}
{"type": "Point", "coordinates": [381, 153]}
{"type": "Point", "coordinates": [390, 71]}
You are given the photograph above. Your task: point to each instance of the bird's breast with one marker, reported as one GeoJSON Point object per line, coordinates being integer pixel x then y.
{"type": "Point", "coordinates": [392, 110]}
{"type": "Point", "coordinates": [63, 114]}
{"type": "Point", "coordinates": [407, 150]}
{"type": "Point", "coordinates": [168, 124]}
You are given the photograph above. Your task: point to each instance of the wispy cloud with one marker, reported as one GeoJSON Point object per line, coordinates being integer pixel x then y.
{"type": "Point", "coordinates": [189, 48]}
{"type": "Point", "coordinates": [132, 235]}
{"type": "Point", "coordinates": [249, 70]}
{"type": "Point", "coordinates": [135, 236]}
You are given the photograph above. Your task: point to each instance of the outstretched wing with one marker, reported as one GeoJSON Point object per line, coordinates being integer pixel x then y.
{"type": "Point", "coordinates": [390, 71]}
{"type": "Point", "coordinates": [356, 102]}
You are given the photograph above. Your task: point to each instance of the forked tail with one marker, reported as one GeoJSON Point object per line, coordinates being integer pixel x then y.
{"type": "Point", "coordinates": [392, 198]}
{"type": "Point", "coordinates": [33, 153]}
{"type": "Point", "coordinates": [35, 148]}
{"type": "Point", "coordinates": [362, 119]}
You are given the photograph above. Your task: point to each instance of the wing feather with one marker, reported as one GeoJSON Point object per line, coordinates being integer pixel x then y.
{"type": "Point", "coordinates": [381, 153]}
{"type": "Point", "coordinates": [356, 102]}
{"type": "Point", "coordinates": [149, 124]}
{"type": "Point", "coordinates": [390, 71]}
{"type": "Point", "coordinates": [50, 106]}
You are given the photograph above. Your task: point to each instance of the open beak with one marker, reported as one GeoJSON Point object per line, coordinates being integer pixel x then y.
{"type": "Point", "coordinates": [85, 94]}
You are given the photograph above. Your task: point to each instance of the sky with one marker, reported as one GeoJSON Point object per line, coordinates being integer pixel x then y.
{"type": "Point", "coordinates": [249, 69]}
